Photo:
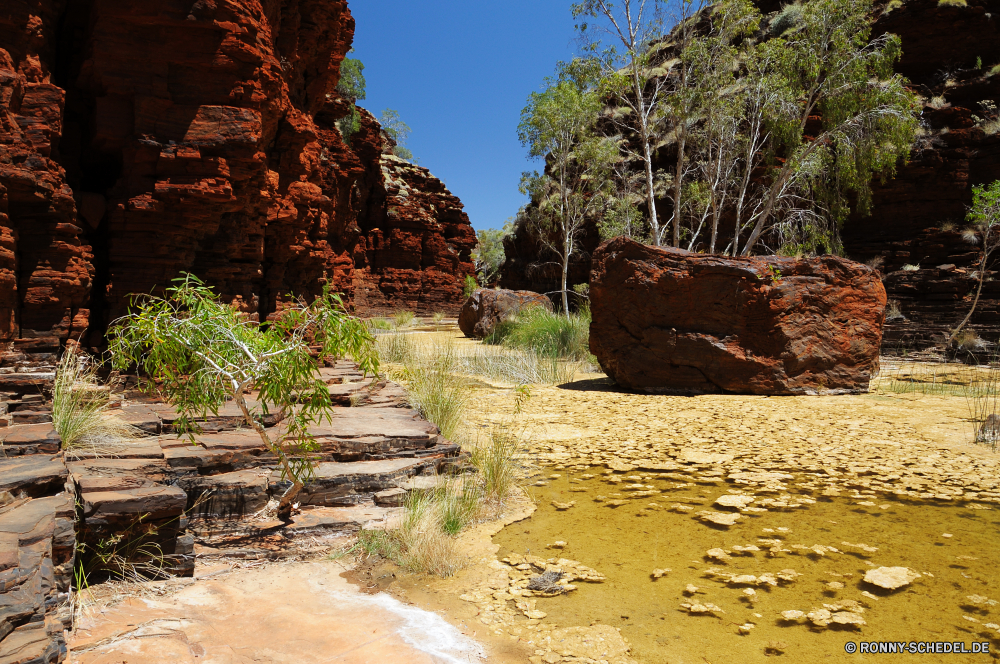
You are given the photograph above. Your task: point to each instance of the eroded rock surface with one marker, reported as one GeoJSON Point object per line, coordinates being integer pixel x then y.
{"type": "Point", "coordinates": [141, 140]}
{"type": "Point", "coordinates": [667, 320]}
{"type": "Point", "coordinates": [487, 308]}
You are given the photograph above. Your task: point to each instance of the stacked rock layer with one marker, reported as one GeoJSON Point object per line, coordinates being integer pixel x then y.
{"type": "Point", "coordinates": [140, 140]}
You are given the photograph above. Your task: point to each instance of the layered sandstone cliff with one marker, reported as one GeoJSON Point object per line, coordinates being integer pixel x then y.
{"type": "Point", "coordinates": [139, 140]}
{"type": "Point", "coordinates": [949, 52]}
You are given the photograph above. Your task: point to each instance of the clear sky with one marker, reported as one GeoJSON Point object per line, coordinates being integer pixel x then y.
{"type": "Point", "coordinates": [459, 72]}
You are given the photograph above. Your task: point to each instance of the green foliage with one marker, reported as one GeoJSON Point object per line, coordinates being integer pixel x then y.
{"type": "Point", "coordinates": [558, 122]}
{"type": "Point", "coordinates": [489, 254]}
{"type": "Point", "coordinates": [984, 220]}
{"type": "Point", "coordinates": [351, 88]}
{"type": "Point", "coordinates": [349, 125]}
{"type": "Point", "coordinates": [203, 352]}
{"type": "Point", "coordinates": [985, 212]}
{"type": "Point", "coordinates": [469, 287]}
{"type": "Point", "coordinates": [547, 334]}
{"type": "Point", "coordinates": [398, 131]}
{"type": "Point", "coordinates": [832, 67]}
{"type": "Point", "coordinates": [352, 80]}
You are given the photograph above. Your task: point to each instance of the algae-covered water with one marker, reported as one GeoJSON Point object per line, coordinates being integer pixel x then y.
{"type": "Point", "coordinates": [953, 547]}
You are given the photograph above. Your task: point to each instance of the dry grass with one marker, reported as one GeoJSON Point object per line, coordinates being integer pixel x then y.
{"type": "Point", "coordinates": [80, 409]}
{"type": "Point", "coordinates": [421, 543]}
{"type": "Point", "coordinates": [500, 456]}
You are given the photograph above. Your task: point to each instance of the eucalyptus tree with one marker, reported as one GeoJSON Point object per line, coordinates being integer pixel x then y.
{"type": "Point", "coordinates": [625, 39]}
{"type": "Point", "coordinates": [984, 230]}
{"type": "Point", "coordinates": [557, 125]}
{"type": "Point", "coordinates": [828, 70]}
{"type": "Point", "coordinates": [722, 100]}
{"type": "Point", "coordinates": [398, 131]}
{"type": "Point", "coordinates": [202, 352]}
{"type": "Point", "coordinates": [351, 87]}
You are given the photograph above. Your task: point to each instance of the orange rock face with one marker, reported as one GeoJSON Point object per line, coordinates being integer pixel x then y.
{"type": "Point", "coordinates": [667, 320]}
{"type": "Point", "coordinates": [140, 140]}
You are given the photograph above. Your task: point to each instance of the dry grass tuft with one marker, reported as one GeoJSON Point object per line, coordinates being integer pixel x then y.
{"type": "Point", "coordinates": [80, 408]}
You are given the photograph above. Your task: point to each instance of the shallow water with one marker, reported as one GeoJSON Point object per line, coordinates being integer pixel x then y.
{"type": "Point", "coordinates": [628, 542]}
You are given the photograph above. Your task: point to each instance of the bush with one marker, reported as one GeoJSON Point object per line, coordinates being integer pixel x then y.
{"type": "Point", "coordinates": [547, 333]}
{"type": "Point", "coordinates": [433, 390]}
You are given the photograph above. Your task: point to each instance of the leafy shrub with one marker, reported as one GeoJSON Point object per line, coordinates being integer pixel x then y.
{"type": "Point", "coordinates": [952, 3]}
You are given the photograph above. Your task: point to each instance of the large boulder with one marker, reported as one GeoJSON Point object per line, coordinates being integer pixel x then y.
{"type": "Point", "coordinates": [487, 308]}
{"type": "Point", "coordinates": [667, 320]}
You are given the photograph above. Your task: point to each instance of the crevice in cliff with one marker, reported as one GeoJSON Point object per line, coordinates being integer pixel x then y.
{"type": "Point", "coordinates": [92, 169]}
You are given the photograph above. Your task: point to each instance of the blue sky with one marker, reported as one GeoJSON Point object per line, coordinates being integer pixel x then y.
{"type": "Point", "coordinates": [459, 72]}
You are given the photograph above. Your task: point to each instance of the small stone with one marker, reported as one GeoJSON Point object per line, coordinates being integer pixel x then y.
{"type": "Point", "coordinates": [847, 618]}
{"type": "Point", "coordinates": [891, 578]}
{"type": "Point", "coordinates": [835, 585]}
{"type": "Point", "coordinates": [946, 535]}
{"type": "Point", "coordinates": [563, 506]}
{"type": "Point", "coordinates": [792, 615]}
{"type": "Point", "coordinates": [720, 518]}
{"type": "Point", "coordinates": [659, 573]}
{"type": "Point", "coordinates": [558, 545]}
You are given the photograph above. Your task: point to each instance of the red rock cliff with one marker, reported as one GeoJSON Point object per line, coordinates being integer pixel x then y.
{"type": "Point", "coordinates": [142, 139]}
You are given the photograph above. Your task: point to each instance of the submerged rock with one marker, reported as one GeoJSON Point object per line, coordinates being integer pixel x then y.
{"type": "Point", "coordinates": [891, 578]}
{"type": "Point", "coordinates": [667, 320]}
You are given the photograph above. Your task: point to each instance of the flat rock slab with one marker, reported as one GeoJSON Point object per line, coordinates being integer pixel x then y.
{"type": "Point", "coordinates": [672, 321]}
{"type": "Point", "coordinates": [349, 517]}
{"type": "Point", "coordinates": [155, 470]}
{"type": "Point", "coordinates": [30, 439]}
{"type": "Point", "coordinates": [384, 422]}
{"type": "Point", "coordinates": [352, 483]}
{"type": "Point", "coordinates": [142, 448]}
{"type": "Point", "coordinates": [37, 475]}
{"type": "Point", "coordinates": [156, 501]}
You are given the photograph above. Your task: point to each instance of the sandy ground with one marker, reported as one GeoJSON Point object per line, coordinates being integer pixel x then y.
{"type": "Point", "coordinates": [296, 612]}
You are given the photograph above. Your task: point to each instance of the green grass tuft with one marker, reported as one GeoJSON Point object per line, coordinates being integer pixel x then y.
{"type": "Point", "coordinates": [547, 334]}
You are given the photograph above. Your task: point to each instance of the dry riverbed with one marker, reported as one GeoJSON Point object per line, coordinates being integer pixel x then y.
{"type": "Point", "coordinates": [662, 529]}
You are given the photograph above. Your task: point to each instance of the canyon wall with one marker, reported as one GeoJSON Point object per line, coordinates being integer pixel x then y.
{"type": "Point", "coordinates": [916, 217]}
{"type": "Point", "coordinates": [140, 140]}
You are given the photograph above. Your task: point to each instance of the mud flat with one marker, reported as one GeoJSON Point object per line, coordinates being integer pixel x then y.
{"type": "Point", "coordinates": [691, 508]}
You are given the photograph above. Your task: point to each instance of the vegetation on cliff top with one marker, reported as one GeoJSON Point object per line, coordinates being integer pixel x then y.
{"type": "Point", "coordinates": [770, 128]}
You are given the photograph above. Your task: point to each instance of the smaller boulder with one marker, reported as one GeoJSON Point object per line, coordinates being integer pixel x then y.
{"type": "Point", "coordinates": [487, 308]}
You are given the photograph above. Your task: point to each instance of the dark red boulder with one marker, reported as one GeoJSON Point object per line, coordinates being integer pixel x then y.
{"type": "Point", "coordinates": [486, 308]}
{"type": "Point", "coordinates": [667, 320]}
